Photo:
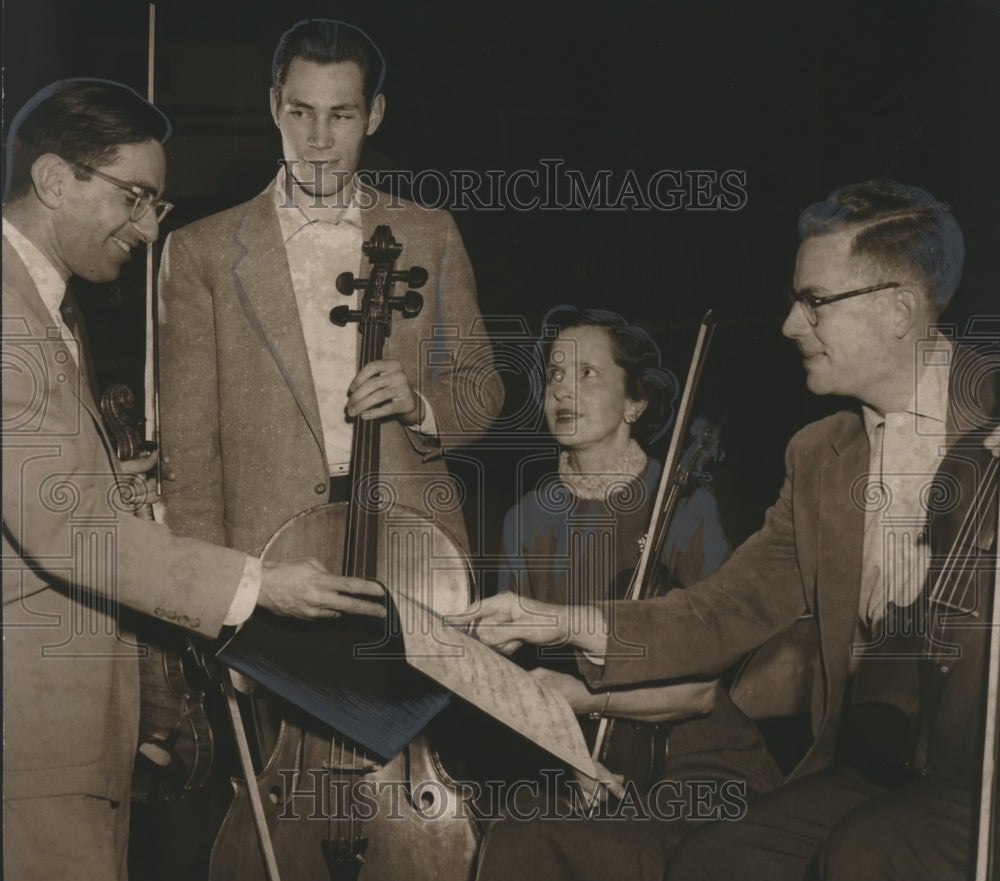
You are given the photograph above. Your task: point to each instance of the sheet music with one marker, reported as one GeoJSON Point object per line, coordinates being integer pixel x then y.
{"type": "Point", "coordinates": [488, 680]}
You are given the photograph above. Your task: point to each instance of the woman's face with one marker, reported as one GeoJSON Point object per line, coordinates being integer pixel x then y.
{"type": "Point", "coordinates": [585, 397]}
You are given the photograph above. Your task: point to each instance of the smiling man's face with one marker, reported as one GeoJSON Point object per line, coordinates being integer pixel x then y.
{"type": "Point", "coordinates": [93, 232]}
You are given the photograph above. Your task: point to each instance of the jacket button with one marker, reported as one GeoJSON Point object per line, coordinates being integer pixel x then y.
{"type": "Point", "coordinates": [321, 488]}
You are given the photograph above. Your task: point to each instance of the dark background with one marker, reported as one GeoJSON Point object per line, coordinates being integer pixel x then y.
{"type": "Point", "coordinates": [801, 96]}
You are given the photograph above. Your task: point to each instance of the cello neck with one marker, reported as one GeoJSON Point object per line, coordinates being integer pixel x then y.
{"type": "Point", "coordinates": [367, 490]}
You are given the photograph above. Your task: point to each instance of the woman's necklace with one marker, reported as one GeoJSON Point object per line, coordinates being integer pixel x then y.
{"type": "Point", "coordinates": [597, 486]}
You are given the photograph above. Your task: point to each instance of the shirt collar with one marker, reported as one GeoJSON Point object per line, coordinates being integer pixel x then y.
{"type": "Point", "coordinates": [296, 213]}
{"type": "Point", "coordinates": [50, 284]}
{"type": "Point", "coordinates": [930, 398]}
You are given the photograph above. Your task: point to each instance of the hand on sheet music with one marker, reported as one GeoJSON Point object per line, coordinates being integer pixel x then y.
{"type": "Point", "coordinates": [573, 688]}
{"type": "Point", "coordinates": [305, 589]}
{"type": "Point", "coordinates": [508, 621]}
{"type": "Point", "coordinates": [382, 389]}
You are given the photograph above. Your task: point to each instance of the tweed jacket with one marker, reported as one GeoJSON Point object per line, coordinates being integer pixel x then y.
{"type": "Point", "coordinates": [73, 556]}
{"type": "Point", "coordinates": [240, 419]}
{"type": "Point", "coordinates": [805, 560]}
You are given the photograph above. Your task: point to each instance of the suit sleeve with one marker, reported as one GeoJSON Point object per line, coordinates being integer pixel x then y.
{"type": "Point", "coordinates": [68, 521]}
{"type": "Point", "coordinates": [189, 405]}
{"type": "Point", "coordinates": [457, 375]}
{"type": "Point", "coordinates": [757, 593]}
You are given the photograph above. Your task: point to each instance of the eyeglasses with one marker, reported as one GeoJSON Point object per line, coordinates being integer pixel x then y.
{"type": "Point", "coordinates": [144, 199]}
{"type": "Point", "coordinates": [810, 303]}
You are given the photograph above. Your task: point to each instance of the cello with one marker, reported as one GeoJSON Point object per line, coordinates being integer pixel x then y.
{"type": "Point", "coordinates": [403, 818]}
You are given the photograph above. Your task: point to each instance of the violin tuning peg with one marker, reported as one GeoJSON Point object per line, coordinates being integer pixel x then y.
{"type": "Point", "coordinates": [347, 284]}
{"type": "Point", "coordinates": [416, 277]}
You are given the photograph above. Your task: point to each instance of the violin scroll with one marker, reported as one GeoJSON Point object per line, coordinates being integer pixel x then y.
{"type": "Point", "coordinates": [129, 443]}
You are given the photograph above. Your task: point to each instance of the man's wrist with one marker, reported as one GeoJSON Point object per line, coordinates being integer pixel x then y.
{"type": "Point", "coordinates": [593, 643]}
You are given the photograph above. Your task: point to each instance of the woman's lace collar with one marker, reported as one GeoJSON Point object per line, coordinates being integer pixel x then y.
{"type": "Point", "coordinates": [597, 486]}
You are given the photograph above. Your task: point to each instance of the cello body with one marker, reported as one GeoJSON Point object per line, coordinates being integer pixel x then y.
{"type": "Point", "coordinates": [405, 819]}
{"type": "Point", "coordinates": [328, 811]}
{"type": "Point", "coordinates": [917, 705]}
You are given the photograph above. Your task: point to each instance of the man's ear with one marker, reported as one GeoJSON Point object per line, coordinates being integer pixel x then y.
{"type": "Point", "coordinates": [376, 114]}
{"type": "Point", "coordinates": [275, 101]}
{"type": "Point", "coordinates": [908, 310]}
{"type": "Point", "coordinates": [49, 176]}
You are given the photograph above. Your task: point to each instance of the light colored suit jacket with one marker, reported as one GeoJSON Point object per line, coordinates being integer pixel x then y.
{"type": "Point", "coordinates": [73, 556]}
{"type": "Point", "coordinates": [240, 419]}
{"type": "Point", "coordinates": [806, 559]}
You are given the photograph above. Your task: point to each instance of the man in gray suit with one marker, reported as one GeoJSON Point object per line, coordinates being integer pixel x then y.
{"type": "Point", "coordinates": [260, 391]}
{"type": "Point", "coordinates": [846, 546]}
{"type": "Point", "coordinates": [87, 173]}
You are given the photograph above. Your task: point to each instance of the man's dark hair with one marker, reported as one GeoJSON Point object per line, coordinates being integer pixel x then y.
{"type": "Point", "coordinates": [904, 229]}
{"type": "Point", "coordinates": [634, 351]}
{"type": "Point", "coordinates": [326, 41]}
{"type": "Point", "coordinates": [83, 121]}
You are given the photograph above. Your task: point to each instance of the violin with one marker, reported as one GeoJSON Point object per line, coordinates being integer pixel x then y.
{"type": "Point", "coordinates": [631, 747]}
{"type": "Point", "coordinates": [415, 826]}
{"type": "Point", "coordinates": [176, 740]}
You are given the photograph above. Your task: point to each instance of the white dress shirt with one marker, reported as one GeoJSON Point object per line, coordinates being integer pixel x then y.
{"type": "Point", "coordinates": [322, 242]}
{"type": "Point", "coordinates": [907, 448]}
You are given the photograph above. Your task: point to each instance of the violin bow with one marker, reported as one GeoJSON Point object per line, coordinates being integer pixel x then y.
{"type": "Point", "coordinates": [151, 376]}
{"type": "Point", "coordinates": [667, 484]}
{"type": "Point", "coordinates": [987, 795]}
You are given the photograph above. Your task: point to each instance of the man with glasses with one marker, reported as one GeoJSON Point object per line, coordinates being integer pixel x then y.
{"type": "Point", "coordinates": [846, 548]}
{"type": "Point", "coordinates": [86, 171]}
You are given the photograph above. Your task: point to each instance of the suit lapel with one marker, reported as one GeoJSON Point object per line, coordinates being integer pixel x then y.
{"type": "Point", "coordinates": [17, 279]}
{"type": "Point", "coordinates": [838, 577]}
{"type": "Point", "coordinates": [263, 285]}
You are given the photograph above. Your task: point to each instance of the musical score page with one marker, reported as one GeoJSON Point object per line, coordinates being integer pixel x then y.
{"type": "Point", "coordinates": [491, 682]}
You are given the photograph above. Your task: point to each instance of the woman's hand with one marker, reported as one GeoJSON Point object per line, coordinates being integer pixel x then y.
{"type": "Point", "coordinates": [581, 699]}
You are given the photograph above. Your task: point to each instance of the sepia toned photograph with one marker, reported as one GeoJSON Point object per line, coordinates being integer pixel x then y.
{"type": "Point", "coordinates": [476, 441]}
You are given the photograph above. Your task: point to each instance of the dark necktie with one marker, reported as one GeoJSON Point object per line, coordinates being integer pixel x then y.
{"type": "Point", "coordinates": [73, 318]}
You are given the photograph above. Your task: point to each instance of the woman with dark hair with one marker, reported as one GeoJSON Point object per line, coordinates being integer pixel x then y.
{"type": "Point", "coordinates": [574, 540]}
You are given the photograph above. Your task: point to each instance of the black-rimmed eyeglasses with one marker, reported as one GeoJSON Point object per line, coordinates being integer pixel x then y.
{"type": "Point", "coordinates": [144, 199]}
{"type": "Point", "coordinates": [810, 302]}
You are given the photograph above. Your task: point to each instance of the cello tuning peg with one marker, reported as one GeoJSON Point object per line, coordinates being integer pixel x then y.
{"type": "Point", "coordinates": [415, 276]}
{"type": "Point", "coordinates": [409, 304]}
{"type": "Point", "coordinates": [340, 315]}
{"type": "Point", "coordinates": [347, 284]}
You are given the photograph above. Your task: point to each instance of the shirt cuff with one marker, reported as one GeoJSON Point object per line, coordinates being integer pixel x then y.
{"type": "Point", "coordinates": [247, 593]}
{"type": "Point", "coordinates": [428, 425]}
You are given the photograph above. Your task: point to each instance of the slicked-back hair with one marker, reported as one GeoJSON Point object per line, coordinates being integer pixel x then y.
{"type": "Point", "coordinates": [83, 121]}
{"type": "Point", "coordinates": [326, 41]}
{"type": "Point", "coordinates": [903, 229]}
{"type": "Point", "coordinates": [633, 350]}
